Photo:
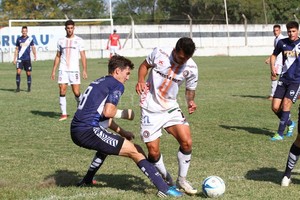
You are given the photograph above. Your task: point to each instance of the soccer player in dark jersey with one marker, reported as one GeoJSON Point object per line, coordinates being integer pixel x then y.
{"type": "Point", "coordinates": [288, 86]}
{"type": "Point", "coordinates": [22, 58]}
{"type": "Point", "coordinates": [94, 116]}
{"type": "Point", "coordinates": [291, 52]}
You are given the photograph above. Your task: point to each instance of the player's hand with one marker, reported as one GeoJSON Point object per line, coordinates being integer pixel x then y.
{"type": "Point", "coordinates": [192, 107]}
{"type": "Point", "coordinates": [107, 48]}
{"type": "Point", "coordinates": [141, 87]}
{"type": "Point", "coordinates": [53, 76]}
{"type": "Point", "coordinates": [273, 71]}
{"type": "Point", "coordinates": [84, 75]}
{"type": "Point", "coordinates": [127, 134]}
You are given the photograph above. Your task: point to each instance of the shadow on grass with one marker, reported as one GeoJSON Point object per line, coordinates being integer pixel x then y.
{"type": "Point", "coordinates": [66, 178]}
{"type": "Point", "coordinates": [9, 90]}
{"type": "Point", "coordinates": [253, 130]}
{"type": "Point", "coordinates": [46, 113]}
{"type": "Point", "coordinates": [252, 96]}
{"type": "Point", "coordinates": [269, 175]}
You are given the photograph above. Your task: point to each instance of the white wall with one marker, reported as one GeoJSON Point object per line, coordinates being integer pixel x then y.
{"type": "Point", "coordinates": [210, 40]}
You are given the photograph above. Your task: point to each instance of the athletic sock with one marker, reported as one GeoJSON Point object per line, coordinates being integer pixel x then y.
{"type": "Point", "coordinates": [78, 98]}
{"type": "Point", "coordinates": [279, 114]}
{"type": "Point", "coordinates": [273, 87]}
{"type": "Point", "coordinates": [18, 80]}
{"type": "Point", "coordinates": [160, 166]}
{"type": "Point", "coordinates": [63, 104]}
{"type": "Point", "coordinates": [292, 160]}
{"type": "Point", "coordinates": [150, 171]}
{"type": "Point", "coordinates": [29, 81]}
{"type": "Point", "coordinates": [184, 160]}
{"type": "Point", "coordinates": [283, 122]}
{"type": "Point", "coordinates": [94, 167]}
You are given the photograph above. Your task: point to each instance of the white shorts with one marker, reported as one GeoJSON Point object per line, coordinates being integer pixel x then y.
{"type": "Point", "coordinates": [113, 49]}
{"type": "Point", "coordinates": [278, 68]}
{"type": "Point", "coordinates": [152, 123]}
{"type": "Point", "coordinates": [69, 77]}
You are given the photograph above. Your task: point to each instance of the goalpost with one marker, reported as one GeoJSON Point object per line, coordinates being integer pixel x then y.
{"type": "Point", "coordinates": [50, 21]}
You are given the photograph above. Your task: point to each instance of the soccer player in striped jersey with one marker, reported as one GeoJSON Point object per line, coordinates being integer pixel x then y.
{"type": "Point", "coordinates": [167, 69]}
{"type": "Point", "coordinates": [290, 48]}
{"type": "Point", "coordinates": [89, 127]}
{"type": "Point", "coordinates": [69, 49]}
{"type": "Point", "coordinates": [288, 86]}
{"type": "Point", "coordinates": [22, 58]}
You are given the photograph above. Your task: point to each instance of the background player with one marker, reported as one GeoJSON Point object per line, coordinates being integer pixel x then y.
{"type": "Point", "coordinates": [288, 86]}
{"type": "Point", "coordinates": [113, 42]}
{"type": "Point", "coordinates": [168, 69]}
{"type": "Point", "coordinates": [22, 58]}
{"type": "Point", "coordinates": [94, 115]}
{"type": "Point", "coordinates": [278, 64]}
{"type": "Point", "coordinates": [68, 50]}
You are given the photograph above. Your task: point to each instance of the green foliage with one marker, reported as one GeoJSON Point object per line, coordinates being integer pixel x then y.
{"type": "Point", "coordinates": [231, 132]}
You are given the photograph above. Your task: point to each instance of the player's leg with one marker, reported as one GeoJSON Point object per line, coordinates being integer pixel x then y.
{"type": "Point", "coordinates": [150, 133]}
{"type": "Point", "coordinates": [293, 157]}
{"type": "Point", "coordinates": [75, 83]}
{"type": "Point", "coordinates": [136, 153]}
{"type": "Point", "coordinates": [19, 67]}
{"type": "Point", "coordinates": [28, 70]}
{"type": "Point", "coordinates": [277, 107]}
{"type": "Point", "coordinates": [182, 134]}
{"type": "Point", "coordinates": [95, 165]}
{"type": "Point", "coordinates": [63, 101]}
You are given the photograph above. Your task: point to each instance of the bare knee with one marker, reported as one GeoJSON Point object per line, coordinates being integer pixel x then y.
{"type": "Point", "coordinates": [186, 146]}
{"type": "Point", "coordinates": [153, 151]}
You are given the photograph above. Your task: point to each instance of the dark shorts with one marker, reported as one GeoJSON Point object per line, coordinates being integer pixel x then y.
{"type": "Point", "coordinates": [24, 64]}
{"type": "Point", "coordinates": [287, 90]}
{"type": "Point", "coordinates": [99, 139]}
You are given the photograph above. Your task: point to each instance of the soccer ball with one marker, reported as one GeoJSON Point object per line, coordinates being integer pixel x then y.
{"type": "Point", "coordinates": [213, 186]}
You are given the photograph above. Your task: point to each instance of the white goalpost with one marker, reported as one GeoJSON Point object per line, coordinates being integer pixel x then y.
{"type": "Point", "coordinates": [53, 31]}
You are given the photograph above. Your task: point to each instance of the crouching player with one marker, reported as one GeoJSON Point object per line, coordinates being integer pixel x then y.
{"type": "Point", "coordinates": [94, 115]}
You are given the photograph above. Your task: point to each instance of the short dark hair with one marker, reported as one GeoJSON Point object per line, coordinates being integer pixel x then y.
{"type": "Point", "coordinates": [70, 22]}
{"type": "Point", "coordinates": [277, 26]}
{"type": "Point", "coordinates": [24, 27]}
{"type": "Point", "coordinates": [118, 61]}
{"type": "Point", "coordinates": [187, 45]}
{"type": "Point", "coordinates": [292, 24]}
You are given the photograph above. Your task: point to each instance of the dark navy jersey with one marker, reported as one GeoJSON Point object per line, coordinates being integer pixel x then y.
{"type": "Point", "coordinates": [290, 51]}
{"type": "Point", "coordinates": [24, 45]}
{"type": "Point", "coordinates": [89, 112]}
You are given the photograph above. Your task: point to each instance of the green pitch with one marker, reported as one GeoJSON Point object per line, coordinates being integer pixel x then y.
{"type": "Point", "coordinates": [231, 131]}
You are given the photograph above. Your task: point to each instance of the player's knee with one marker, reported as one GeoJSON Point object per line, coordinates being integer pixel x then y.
{"type": "Point", "coordinates": [186, 146]}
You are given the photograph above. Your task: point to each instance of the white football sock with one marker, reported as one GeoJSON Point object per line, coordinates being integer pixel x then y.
{"type": "Point", "coordinates": [183, 163]}
{"type": "Point", "coordinates": [63, 105]}
{"type": "Point", "coordinates": [160, 166]}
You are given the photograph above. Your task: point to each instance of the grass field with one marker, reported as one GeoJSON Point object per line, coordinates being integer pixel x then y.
{"type": "Point", "coordinates": [231, 137]}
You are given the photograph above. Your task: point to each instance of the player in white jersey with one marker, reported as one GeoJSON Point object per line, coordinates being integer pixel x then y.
{"type": "Point", "coordinates": [69, 49]}
{"type": "Point", "coordinates": [168, 69]}
{"type": "Point", "coordinates": [275, 70]}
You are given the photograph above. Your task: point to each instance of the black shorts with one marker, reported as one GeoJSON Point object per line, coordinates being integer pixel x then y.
{"type": "Point", "coordinates": [287, 90]}
{"type": "Point", "coordinates": [24, 64]}
{"type": "Point", "coordinates": [99, 139]}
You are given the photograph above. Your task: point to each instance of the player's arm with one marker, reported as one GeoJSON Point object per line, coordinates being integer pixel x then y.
{"type": "Point", "coordinates": [272, 64]}
{"type": "Point", "coordinates": [34, 52]}
{"type": "Point", "coordinates": [84, 65]}
{"type": "Point", "coordinates": [190, 96]}
{"type": "Point", "coordinates": [109, 111]}
{"type": "Point", "coordinates": [107, 46]}
{"type": "Point", "coordinates": [142, 73]}
{"type": "Point", "coordinates": [55, 64]}
{"type": "Point", "coordinates": [16, 55]}
{"type": "Point", "coordinates": [118, 129]}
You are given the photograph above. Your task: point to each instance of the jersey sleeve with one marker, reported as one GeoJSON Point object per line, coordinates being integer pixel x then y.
{"type": "Point", "coordinates": [81, 45]}
{"type": "Point", "coordinates": [115, 94]}
{"type": "Point", "coordinates": [151, 57]}
{"type": "Point", "coordinates": [191, 77]}
{"type": "Point", "coordinates": [31, 42]}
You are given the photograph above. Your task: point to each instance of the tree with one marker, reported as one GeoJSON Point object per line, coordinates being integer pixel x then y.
{"type": "Point", "coordinates": [54, 9]}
